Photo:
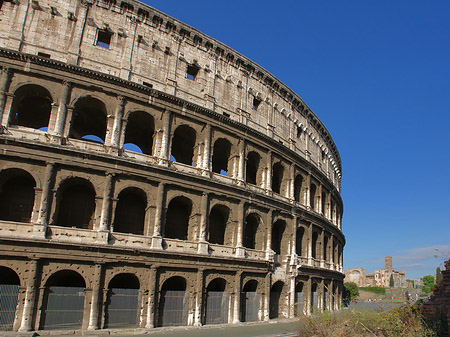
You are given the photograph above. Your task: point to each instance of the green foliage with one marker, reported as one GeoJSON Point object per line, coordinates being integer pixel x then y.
{"type": "Point", "coordinates": [375, 290]}
{"type": "Point", "coordinates": [428, 284]}
{"type": "Point", "coordinates": [351, 290]}
{"type": "Point", "coordinates": [439, 276]}
{"type": "Point", "coordinates": [391, 281]}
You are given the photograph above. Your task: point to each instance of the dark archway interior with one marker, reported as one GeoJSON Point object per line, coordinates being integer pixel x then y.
{"type": "Point", "coordinates": [175, 283]}
{"type": "Point", "coordinates": [217, 284]}
{"type": "Point", "coordinates": [130, 212]}
{"type": "Point", "coordinates": [298, 182]}
{"type": "Point", "coordinates": [140, 130]}
{"type": "Point", "coordinates": [277, 235]}
{"type": "Point", "coordinates": [16, 196]}
{"type": "Point", "coordinates": [89, 119]}
{"type": "Point", "coordinates": [177, 218]}
{"type": "Point", "coordinates": [183, 143]}
{"type": "Point", "coordinates": [252, 167]}
{"type": "Point", "coordinates": [250, 228]}
{"type": "Point", "coordinates": [8, 276]}
{"type": "Point", "coordinates": [221, 155]}
{"type": "Point", "coordinates": [66, 278]}
{"type": "Point", "coordinates": [124, 281]}
{"type": "Point", "coordinates": [277, 177]}
{"type": "Point", "coordinates": [299, 241]}
{"type": "Point", "coordinates": [218, 219]}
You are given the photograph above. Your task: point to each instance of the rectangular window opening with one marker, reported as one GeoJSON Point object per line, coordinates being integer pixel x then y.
{"type": "Point", "coordinates": [256, 103]}
{"type": "Point", "coordinates": [103, 38]}
{"type": "Point", "coordinates": [191, 72]}
{"type": "Point", "coordinates": [43, 55]}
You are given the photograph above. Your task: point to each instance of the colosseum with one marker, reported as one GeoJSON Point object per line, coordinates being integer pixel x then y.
{"type": "Point", "coordinates": [151, 176]}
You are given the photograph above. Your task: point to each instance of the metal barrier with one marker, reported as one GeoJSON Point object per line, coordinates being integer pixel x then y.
{"type": "Point", "coordinates": [217, 305]}
{"type": "Point", "coordinates": [249, 306]}
{"type": "Point", "coordinates": [64, 309]}
{"type": "Point", "coordinates": [298, 303]}
{"type": "Point", "coordinates": [173, 307]}
{"type": "Point", "coordinates": [122, 308]}
{"type": "Point", "coordinates": [8, 303]}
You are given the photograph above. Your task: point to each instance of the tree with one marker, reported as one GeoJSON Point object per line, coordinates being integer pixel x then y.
{"type": "Point", "coordinates": [428, 284]}
{"type": "Point", "coordinates": [439, 276]}
{"type": "Point", "coordinates": [351, 290]}
{"type": "Point", "coordinates": [391, 281]}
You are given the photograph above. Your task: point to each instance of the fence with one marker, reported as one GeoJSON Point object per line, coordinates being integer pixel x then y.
{"type": "Point", "coordinates": [217, 305]}
{"type": "Point", "coordinates": [8, 304]}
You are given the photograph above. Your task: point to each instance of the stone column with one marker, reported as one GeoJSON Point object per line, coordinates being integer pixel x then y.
{"type": "Point", "coordinates": [308, 191]}
{"type": "Point", "coordinates": [156, 238]}
{"type": "Point", "coordinates": [30, 296]}
{"type": "Point", "coordinates": [199, 298]}
{"type": "Point", "coordinates": [269, 172]}
{"type": "Point", "coordinates": [310, 237]}
{"type": "Point", "coordinates": [237, 297]}
{"type": "Point", "coordinates": [322, 248]}
{"type": "Point", "coordinates": [241, 166]}
{"type": "Point", "coordinates": [122, 134]}
{"type": "Point", "coordinates": [291, 190]}
{"type": "Point", "coordinates": [294, 241]}
{"type": "Point", "coordinates": [157, 145]}
{"type": "Point", "coordinates": [64, 100]}
{"type": "Point", "coordinates": [206, 165]}
{"type": "Point", "coordinates": [152, 293]}
{"type": "Point", "coordinates": [106, 204]}
{"type": "Point", "coordinates": [269, 251]}
{"type": "Point", "coordinates": [319, 206]}
{"type": "Point", "coordinates": [266, 296]}
{"type": "Point", "coordinates": [291, 302]}
{"type": "Point", "coordinates": [203, 244]}
{"type": "Point", "coordinates": [5, 81]}
{"type": "Point", "coordinates": [117, 123]}
{"type": "Point", "coordinates": [240, 250]}
{"type": "Point", "coordinates": [96, 288]}
{"type": "Point", "coordinates": [44, 209]}
{"type": "Point", "coordinates": [165, 139]}
{"type": "Point", "coordinates": [307, 296]}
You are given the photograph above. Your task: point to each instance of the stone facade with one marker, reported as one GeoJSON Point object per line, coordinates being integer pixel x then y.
{"type": "Point", "coordinates": [142, 159]}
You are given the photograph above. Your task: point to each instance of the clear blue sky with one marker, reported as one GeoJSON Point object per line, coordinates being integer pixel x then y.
{"type": "Point", "coordinates": [377, 73]}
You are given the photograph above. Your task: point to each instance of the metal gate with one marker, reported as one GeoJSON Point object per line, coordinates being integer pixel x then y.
{"type": "Point", "coordinates": [173, 307]}
{"type": "Point", "coordinates": [249, 306]}
{"type": "Point", "coordinates": [64, 310]}
{"type": "Point", "coordinates": [122, 309]}
{"type": "Point", "coordinates": [314, 303]}
{"type": "Point", "coordinates": [8, 303]}
{"type": "Point", "coordinates": [217, 305]}
{"type": "Point", "coordinates": [298, 305]}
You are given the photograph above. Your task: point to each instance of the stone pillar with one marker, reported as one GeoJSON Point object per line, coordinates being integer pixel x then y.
{"type": "Point", "coordinates": [5, 81]}
{"type": "Point", "coordinates": [322, 249]}
{"type": "Point", "coordinates": [294, 240]}
{"type": "Point", "coordinates": [199, 298]}
{"type": "Point", "coordinates": [114, 138]}
{"type": "Point", "coordinates": [291, 302]}
{"type": "Point", "coordinates": [240, 250]}
{"type": "Point", "coordinates": [319, 206]}
{"type": "Point", "coordinates": [44, 209]}
{"type": "Point", "coordinates": [308, 191]}
{"type": "Point", "coordinates": [241, 165]}
{"type": "Point", "coordinates": [106, 204]}
{"type": "Point", "coordinates": [30, 296]}
{"type": "Point", "coordinates": [64, 100]}
{"type": "Point", "coordinates": [152, 293]}
{"type": "Point", "coordinates": [122, 134]}
{"type": "Point", "coordinates": [156, 238]}
{"type": "Point", "coordinates": [269, 172]}
{"type": "Point", "coordinates": [96, 288]}
{"type": "Point", "coordinates": [206, 165]}
{"type": "Point", "coordinates": [266, 296]}
{"type": "Point", "coordinates": [321, 296]}
{"type": "Point", "coordinates": [165, 139]}
{"type": "Point", "coordinates": [203, 244]}
{"type": "Point", "coordinates": [237, 297]}
{"type": "Point", "coordinates": [291, 190]}
{"type": "Point", "coordinates": [269, 251]}
{"type": "Point", "coordinates": [310, 237]}
{"type": "Point", "coordinates": [157, 146]}
{"type": "Point", "coordinates": [307, 296]}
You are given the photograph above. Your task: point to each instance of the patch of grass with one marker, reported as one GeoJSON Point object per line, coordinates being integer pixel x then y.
{"type": "Point", "coordinates": [404, 321]}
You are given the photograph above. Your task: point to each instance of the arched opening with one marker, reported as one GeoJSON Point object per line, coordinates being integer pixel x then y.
{"type": "Point", "coordinates": [277, 235]}
{"type": "Point", "coordinates": [277, 177]}
{"type": "Point", "coordinates": [177, 218]}
{"type": "Point", "coordinates": [173, 302]}
{"type": "Point", "coordinates": [139, 132]}
{"type": "Point", "coordinates": [299, 247]}
{"type": "Point", "coordinates": [89, 120]}
{"type": "Point", "coordinates": [298, 299]}
{"type": "Point", "coordinates": [249, 302]}
{"type": "Point", "coordinates": [16, 195]}
{"type": "Point", "coordinates": [63, 301]}
{"type": "Point", "coordinates": [221, 155]}
{"type": "Point", "coordinates": [298, 187]}
{"type": "Point", "coordinates": [130, 212]}
{"type": "Point", "coordinates": [315, 237]}
{"type": "Point", "coordinates": [217, 302]}
{"type": "Point", "coordinates": [183, 143]}
{"type": "Point", "coordinates": [122, 307]}
{"type": "Point", "coordinates": [32, 106]}
{"type": "Point", "coordinates": [312, 196]}
{"type": "Point", "coordinates": [252, 168]}
{"type": "Point", "coordinates": [76, 206]}
{"type": "Point", "coordinates": [9, 293]}
{"type": "Point", "coordinates": [325, 248]}
{"type": "Point", "coordinates": [314, 297]}
{"type": "Point", "coordinates": [218, 218]}
{"type": "Point", "coordinates": [250, 229]}
{"type": "Point", "coordinates": [275, 295]}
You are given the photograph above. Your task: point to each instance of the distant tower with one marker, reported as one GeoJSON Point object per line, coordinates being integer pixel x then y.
{"type": "Point", "coordinates": [388, 263]}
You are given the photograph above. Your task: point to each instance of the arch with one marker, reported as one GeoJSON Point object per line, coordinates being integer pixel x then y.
{"type": "Point", "coordinates": [278, 229]}
{"type": "Point", "coordinates": [251, 226]}
{"type": "Point", "coordinates": [300, 248]}
{"type": "Point", "coordinates": [249, 302]}
{"type": "Point", "coordinates": [221, 156]}
{"type": "Point", "coordinates": [9, 294]}
{"type": "Point", "coordinates": [173, 302]}
{"type": "Point", "coordinates": [298, 188]}
{"type": "Point", "coordinates": [63, 304]}
{"type": "Point", "coordinates": [218, 218]}
{"type": "Point", "coordinates": [139, 132]}
{"type": "Point", "coordinates": [183, 143]}
{"type": "Point", "coordinates": [277, 177]}
{"type": "Point", "coordinates": [312, 196]}
{"type": "Point", "coordinates": [315, 237]}
{"type": "Point", "coordinates": [17, 193]}
{"type": "Point", "coordinates": [31, 107]}
{"type": "Point", "coordinates": [130, 211]}
{"type": "Point", "coordinates": [298, 299]}
{"type": "Point", "coordinates": [177, 218]}
{"type": "Point", "coordinates": [89, 120]}
{"type": "Point", "coordinates": [217, 302]}
{"type": "Point", "coordinates": [275, 296]}
{"type": "Point", "coordinates": [122, 307]}
{"type": "Point", "coordinates": [76, 204]}
{"type": "Point", "coordinates": [252, 167]}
